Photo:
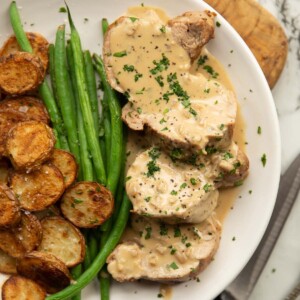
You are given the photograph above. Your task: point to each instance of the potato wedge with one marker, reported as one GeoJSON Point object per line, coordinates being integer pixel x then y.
{"type": "Point", "coordinates": [10, 213]}
{"type": "Point", "coordinates": [29, 144]}
{"type": "Point", "coordinates": [10, 244]}
{"type": "Point", "coordinates": [7, 264]}
{"type": "Point", "coordinates": [50, 211]}
{"type": "Point", "coordinates": [33, 108]}
{"type": "Point", "coordinates": [87, 204]}
{"type": "Point", "coordinates": [20, 73]}
{"type": "Point", "coordinates": [21, 288]}
{"type": "Point", "coordinates": [62, 239]}
{"type": "Point", "coordinates": [38, 189]}
{"type": "Point", "coordinates": [5, 167]}
{"type": "Point", "coordinates": [8, 119]}
{"type": "Point", "coordinates": [29, 232]}
{"type": "Point", "coordinates": [45, 269]}
{"type": "Point", "coordinates": [66, 163]}
{"type": "Point", "coordinates": [39, 46]}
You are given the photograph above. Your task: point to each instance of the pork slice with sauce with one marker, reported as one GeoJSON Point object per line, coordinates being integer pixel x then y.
{"type": "Point", "coordinates": [171, 191]}
{"type": "Point", "coordinates": [155, 251]}
{"type": "Point", "coordinates": [150, 61]}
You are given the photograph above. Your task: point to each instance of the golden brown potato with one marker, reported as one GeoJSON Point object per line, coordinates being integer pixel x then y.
{"type": "Point", "coordinates": [39, 189]}
{"type": "Point", "coordinates": [45, 269]}
{"type": "Point", "coordinates": [33, 108]}
{"type": "Point", "coordinates": [20, 73]}
{"type": "Point", "coordinates": [8, 119]}
{"type": "Point", "coordinates": [4, 170]}
{"type": "Point", "coordinates": [21, 288]}
{"type": "Point", "coordinates": [10, 213]}
{"type": "Point", "coordinates": [38, 43]}
{"type": "Point", "coordinates": [7, 264]}
{"type": "Point", "coordinates": [62, 239]}
{"type": "Point", "coordinates": [29, 144]}
{"type": "Point", "coordinates": [87, 204]}
{"type": "Point", "coordinates": [29, 232]}
{"type": "Point", "coordinates": [10, 244]}
{"type": "Point", "coordinates": [66, 163]}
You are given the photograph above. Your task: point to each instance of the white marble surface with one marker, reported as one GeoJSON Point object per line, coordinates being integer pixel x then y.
{"type": "Point", "coordinates": [282, 271]}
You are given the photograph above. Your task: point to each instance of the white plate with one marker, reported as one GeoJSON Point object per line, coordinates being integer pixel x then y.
{"type": "Point", "coordinates": [248, 220]}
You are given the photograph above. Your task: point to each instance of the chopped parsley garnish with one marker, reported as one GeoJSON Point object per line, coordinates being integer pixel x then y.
{"type": "Point", "coordinates": [264, 159]}
{"type": "Point", "coordinates": [128, 178]}
{"type": "Point", "coordinates": [77, 201]}
{"type": "Point", "coordinates": [173, 251]}
{"type": "Point", "coordinates": [176, 153]}
{"type": "Point", "coordinates": [218, 24]}
{"type": "Point", "coordinates": [147, 199]}
{"type": "Point", "coordinates": [137, 76]}
{"type": "Point", "coordinates": [154, 153]}
{"type": "Point", "coordinates": [162, 121]}
{"type": "Point", "coordinates": [159, 80]}
{"type": "Point", "coordinates": [163, 229]}
{"type": "Point", "coordinates": [202, 59]}
{"type": "Point", "coordinates": [211, 71]}
{"type": "Point", "coordinates": [133, 19]}
{"type": "Point", "coordinates": [207, 91]}
{"type": "Point", "coordinates": [128, 68]}
{"type": "Point", "coordinates": [141, 92]}
{"type": "Point", "coordinates": [166, 96]}
{"type": "Point", "coordinates": [173, 266]}
{"type": "Point", "coordinates": [120, 54]}
{"type": "Point", "coordinates": [62, 10]}
{"type": "Point", "coordinates": [152, 168]}
{"type": "Point", "coordinates": [221, 126]}
{"type": "Point", "coordinates": [174, 193]}
{"type": "Point", "coordinates": [258, 130]}
{"type": "Point", "coordinates": [184, 185]}
{"type": "Point", "coordinates": [188, 245]}
{"type": "Point", "coordinates": [193, 181]}
{"type": "Point", "coordinates": [177, 232]}
{"type": "Point", "coordinates": [161, 65]}
{"type": "Point", "coordinates": [148, 233]}
{"type": "Point", "coordinates": [207, 187]}
{"type": "Point", "coordinates": [210, 150]}
{"type": "Point", "coordinates": [238, 183]}
{"type": "Point", "coordinates": [227, 155]}
{"type": "Point", "coordinates": [163, 29]}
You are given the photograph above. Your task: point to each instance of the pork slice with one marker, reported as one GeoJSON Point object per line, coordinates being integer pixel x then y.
{"type": "Point", "coordinates": [173, 192]}
{"type": "Point", "coordinates": [166, 253]}
{"type": "Point", "coordinates": [150, 62]}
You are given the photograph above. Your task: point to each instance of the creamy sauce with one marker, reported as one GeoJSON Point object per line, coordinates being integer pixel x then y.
{"type": "Point", "coordinates": [166, 291]}
{"type": "Point", "coordinates": [165, 92]}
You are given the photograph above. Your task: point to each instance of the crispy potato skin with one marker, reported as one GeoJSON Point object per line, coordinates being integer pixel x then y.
{"type": "Point", "coordinates": [32, 107]}
{"type": "Point", "coordinates": [10, 244]}
{"type": "Point", "coordinates": [18, 287]}
{"type": "Point", "coordinates": [29, 144]}
{"type": "Point", "coordinates": [38, 189]}
{"type": "Point", "coordinates": [7, 263]}
{"type": "Point", "coordinates": [10, 213]}
{"type": "Point", "coordinates": [5, 168]}
{"type": "Point", "coordinates": [20, 73]}
{"type": "Point", "coordinates": [62, 239]}
{"type": "Point", "coordinates": [45, 269]}
{"type": "Point", "coordinates": [87, 204]}
{"type": "Point", "coordinates": [39, 46]}
{"type": "Point", "coordinates": [66, 163]}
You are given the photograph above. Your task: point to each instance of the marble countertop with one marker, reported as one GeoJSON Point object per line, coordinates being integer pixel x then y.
{"type": "Point", "coordinates": [282, 271]}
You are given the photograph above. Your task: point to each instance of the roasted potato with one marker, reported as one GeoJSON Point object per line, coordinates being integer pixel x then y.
{"type": "Point", "coordinates": [8, 119]}
{"type": "Point", "coordinates": [23, 238]}
{"type": "Point", "coordinates": [29, 144]}
{"type": "Point", "coordinates": [50, 211]}
{"type": "Point", "coordinates": [66, 163]}
{"type": "Point", "coordinates": [10, 213]}
{"type": "Point", "coordinates": [45, 269]}
{"type": "Point", "coordinates": [20, 73]}
{"type": "Point", "coordinates": [62, 239]}
{"type": "Point", "coordinates": [7, 264]}
{"type": "Point", "coordinates": [87, 204]}
{"type": "Point", "coordinates": [39, 189]}
{"type": "Point", "coordinates": [4, 170]}
{"type": "Point", "coordinates": [33, 108]}
{"type": "Point", "coordinates": [21, 288]}
{"type": "Point", "coordinates": [38, 43]}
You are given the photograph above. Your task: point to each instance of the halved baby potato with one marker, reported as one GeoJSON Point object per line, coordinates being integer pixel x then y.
{"type": "Point", "coordinates": [45, 269]}
{"type": "Point", "coordinates": [4, 170]}
{"type": "Point", "coordinates": [62, 239]}
{"type": "Point", "coordinates": [66, 163]}
{"type": "Point", "coordinates": [38, 43]}
{"type": "Point", "coordinates": [7, 263]}
{"type": "Point", "coordinates": [32, 107]}
{"type": "Point", "coordinates": [20, 73]}
{"type": "Point", "coordinates": [50, 211]}
{"type": "Point", "coordinates": [10, 244]}
{"type": "Point", "coordinates": [10, 213]}
{"type": "Point", "coordinates": [21, 288]}
{"type": "Point", "coordinates": [29, 144]}
{"type": "Point", "coordinates": [87, 204]}
{"type": "Point", "coordinates": [39, 189]}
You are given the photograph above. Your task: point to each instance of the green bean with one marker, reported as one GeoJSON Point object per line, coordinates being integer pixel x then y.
{"type": "Point", "coordinates": [93, 243]}
{"type": "Point", "coordinates": [105, 25]}
{"type": "Point", "coordinates": [76, 272]}
{"type": "Point", "coordinates": [83, 96]}
{"type": "Point", "coordinates": [51, 70]}
{"type": "Point", "coordinates": [64, 91]}
{"type": "Point", "coordinates": [92, 88]}
{"type": "Point", "coordinates": [86, 169]}
{"type": "Point", "coordinates": [44, 89]}
{"type": "Point", "coordinates": [100, 259]}
{"type": "Point", "coordinates": [116, 128]}
{"type": "Point", "coordinates": [104, 284]}
{"type": "Point", "coordinates": [107, 129]}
